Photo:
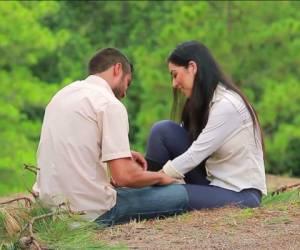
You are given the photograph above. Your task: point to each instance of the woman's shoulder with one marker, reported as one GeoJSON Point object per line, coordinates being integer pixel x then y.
{"type": "Point", "coordinates": [228, 101]}
{"type": "Point", "coordinates": [225, 95]}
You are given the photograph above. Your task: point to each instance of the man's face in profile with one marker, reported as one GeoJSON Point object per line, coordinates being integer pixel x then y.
{"type": "Point", "coordinates": [125, 81]}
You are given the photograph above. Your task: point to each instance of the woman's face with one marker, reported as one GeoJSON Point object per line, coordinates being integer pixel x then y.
{"type": "Point", "coordinates": [183, 78]}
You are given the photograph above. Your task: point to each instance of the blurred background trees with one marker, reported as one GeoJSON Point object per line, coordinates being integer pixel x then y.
{"type": "Point", "coordinates": [46, 45]}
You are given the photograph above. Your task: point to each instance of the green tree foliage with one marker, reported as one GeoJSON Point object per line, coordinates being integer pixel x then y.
{"type": "Point", "coordinates": [23, 41]}
{"type": "Point", "coordinates": [45, 45]}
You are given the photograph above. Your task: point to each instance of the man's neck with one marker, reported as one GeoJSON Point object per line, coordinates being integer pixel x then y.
{"type": "Point", "coordinates": [106, 76]}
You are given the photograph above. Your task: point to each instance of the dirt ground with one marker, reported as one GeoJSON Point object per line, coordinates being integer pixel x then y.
{"type": "Point", "coordinates": [276, 227]}
{"type": "Point", "coordinates": [274, 182]}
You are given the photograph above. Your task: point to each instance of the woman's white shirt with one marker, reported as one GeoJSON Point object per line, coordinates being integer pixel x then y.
{"type": "Point", "coordinates": [234, 151]}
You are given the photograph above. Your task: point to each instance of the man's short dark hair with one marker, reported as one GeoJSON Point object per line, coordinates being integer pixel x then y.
{"type": "Point", "coordinates": [105, 58]}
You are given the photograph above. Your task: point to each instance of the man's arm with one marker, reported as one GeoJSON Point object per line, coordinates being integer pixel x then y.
{"type": "Point", "coordinates": [127, 173]}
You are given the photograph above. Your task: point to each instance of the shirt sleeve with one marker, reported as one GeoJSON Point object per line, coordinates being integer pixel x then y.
{"type": "Point", "coordinates": [115, 141]}
{"type": "Point", "coordinates": [223, 120]}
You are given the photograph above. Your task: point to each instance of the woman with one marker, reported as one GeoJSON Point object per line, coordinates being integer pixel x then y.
{"type": "Point", "coordinates": [218, 147]}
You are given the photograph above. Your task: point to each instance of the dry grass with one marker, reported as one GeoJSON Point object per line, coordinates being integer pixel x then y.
{"type": "Point", "coordinates": [227, 228]}
{"type": "Point", "coordinates": [274, 182]}
{"type": "Point", "coordinates": [269, 227]}
{"type": "Point", "coordinates": [275, 226]}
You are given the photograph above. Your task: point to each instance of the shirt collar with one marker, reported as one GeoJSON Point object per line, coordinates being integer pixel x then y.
{"type": "Point", "coordinates": [99, 81]}
{"type": "Point", "coordinates": [220, 89]}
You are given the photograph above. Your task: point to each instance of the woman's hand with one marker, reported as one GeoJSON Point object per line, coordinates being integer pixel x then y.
{"type": "Point", "coordinates": [165, 179]}
{"type": "Point", "coordinates": [175, 180]}
{"type": "Point", "coordinates": [139, 158]}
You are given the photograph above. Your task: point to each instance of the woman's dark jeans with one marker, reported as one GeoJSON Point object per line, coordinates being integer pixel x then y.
{"type": "Point", "coordinates": [168, 140]}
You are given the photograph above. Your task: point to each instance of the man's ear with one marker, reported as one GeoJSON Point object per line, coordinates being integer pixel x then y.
{"type": "Point", "coordinates": [117, 69]}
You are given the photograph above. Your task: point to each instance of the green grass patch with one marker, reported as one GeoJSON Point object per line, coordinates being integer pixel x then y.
{"type": "Point", "coordinates": [60, 231]}
{"type": "Point", "coordinates": [246, 213]}
{"type": "Point", "coordinates": [69, 231]}
{"type": "Point", "coordinates": [278, 220]}
{"type": "Point", "coordinates": [243, 215]}
{"type": "Point", "coordinates": [66, 233]}
{"type": "Point", "coordinates": [292, 196]}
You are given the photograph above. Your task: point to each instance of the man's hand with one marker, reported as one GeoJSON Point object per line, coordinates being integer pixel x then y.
{"type": "Point", "coordinates": [139, 158]}
{"type": "Point", "coordinates": [126, 172]}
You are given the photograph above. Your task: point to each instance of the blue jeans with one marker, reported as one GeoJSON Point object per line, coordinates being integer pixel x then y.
{"type": "Point", "coordinates": [168, 140]}
{"type": "Point", "coordinates": [146, 203]}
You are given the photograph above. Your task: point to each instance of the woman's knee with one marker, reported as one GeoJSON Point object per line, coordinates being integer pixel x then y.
{"type": "Point", "coordinates": [163, 127]}
{"type": "Point", "coordinates": [252, 197]}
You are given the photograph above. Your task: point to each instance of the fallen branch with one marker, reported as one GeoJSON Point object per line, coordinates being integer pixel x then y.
{"type": "Point", "coordinates": [31, 168]}
{"type": "Point", "coordinates": [69, 210]}
{"type": "Point", "coordinates": [34, 170]}
{"type": "Point", "coordinates": [26, 242]}
{"type": "Point", "coordinates": [28, 202]}
{"type": "Point", "coordinates": [285, 188]}
{"type": "Point", "coordinates": [35, 195]}
{"type": "Point", "coordinates": [32, 239]}
{"type": "Point", "coordinates": [31, 234]}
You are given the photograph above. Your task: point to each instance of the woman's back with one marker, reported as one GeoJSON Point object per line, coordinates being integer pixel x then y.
{"type": "Point", "coordinates": [238, 161]}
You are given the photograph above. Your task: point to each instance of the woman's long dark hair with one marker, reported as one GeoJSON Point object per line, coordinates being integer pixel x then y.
{"type": "Point", "coordinates": [195, 111]}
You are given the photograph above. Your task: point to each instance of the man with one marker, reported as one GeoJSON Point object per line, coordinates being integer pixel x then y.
{"type": "Point", "coordinates": [85, 128]}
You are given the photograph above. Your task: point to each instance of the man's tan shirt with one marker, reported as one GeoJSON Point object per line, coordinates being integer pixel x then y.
{"type": "Point", "coordinates": [84, 126]}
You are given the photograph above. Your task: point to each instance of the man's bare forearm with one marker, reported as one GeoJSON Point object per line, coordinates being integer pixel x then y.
{"type": "Point", "coordinates": [128, 173]}
{"type": "Point", "coordinates": [144, 179]}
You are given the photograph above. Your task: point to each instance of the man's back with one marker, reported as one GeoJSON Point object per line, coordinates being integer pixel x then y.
{"type": "Point", "coordinates": [72, 146]}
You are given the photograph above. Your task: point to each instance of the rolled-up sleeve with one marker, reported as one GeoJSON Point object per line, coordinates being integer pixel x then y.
{"type": "Point", "coordinates": [223, 120]}
{"type": "Point", "coordinates": [115, 141]}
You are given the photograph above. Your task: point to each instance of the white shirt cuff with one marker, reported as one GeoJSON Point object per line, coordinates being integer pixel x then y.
{"type": "Point", "coordinates": [171, 171]}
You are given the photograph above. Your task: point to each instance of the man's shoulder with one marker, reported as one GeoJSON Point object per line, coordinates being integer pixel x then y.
{"type": "Point", "coordinates": [96, 96]}
{"type": "Point", "coordinates": [100, 97]}
{"type": "Point", "coordinates": [115, 105]}
{"type": "Point", "coordinates": [81, 89]}
{"type": "Point", "coordinates": [67, 88]}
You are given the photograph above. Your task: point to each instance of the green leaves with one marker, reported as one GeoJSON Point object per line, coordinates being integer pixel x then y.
{"type": "Point", "coordinates": [24, 41]}
{"type": "Point", "coordinates": [46, 45]}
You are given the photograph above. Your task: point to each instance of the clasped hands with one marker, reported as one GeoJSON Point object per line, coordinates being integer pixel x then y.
{"type": "Point", "coordinates": [167, 168]}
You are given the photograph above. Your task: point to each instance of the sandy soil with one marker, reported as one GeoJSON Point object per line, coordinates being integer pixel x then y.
{"type": "Point", "coordinates": [276, 227]}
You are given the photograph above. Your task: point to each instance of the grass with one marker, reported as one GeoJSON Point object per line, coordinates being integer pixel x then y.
{"type": "Point", "coordinates": [289, 196]}
{"type": "Point", "coordinates": [61, 231]}
{"type": "Point", "coordinates": [68, 231]}
{"type": "Point", "coordinates": [276, 223]}
{"type": "Point", "coordinates": [62, 234]}
{"type": "Point", "coordinates": [277, 220]}
{"type": "Point", "coordinates": [279, 202]}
